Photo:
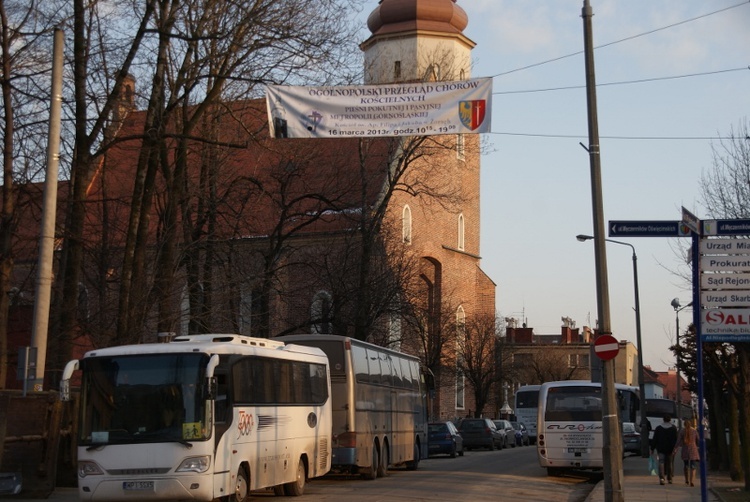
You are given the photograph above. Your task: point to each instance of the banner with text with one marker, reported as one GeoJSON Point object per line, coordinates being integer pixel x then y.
{"type": "Point", "coordinates": [414, 109]}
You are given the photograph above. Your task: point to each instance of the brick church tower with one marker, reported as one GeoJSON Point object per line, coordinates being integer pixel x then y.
{"type": "Point", "coordinates": [423, 40]}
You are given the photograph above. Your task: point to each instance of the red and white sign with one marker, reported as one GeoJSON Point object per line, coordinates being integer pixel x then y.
{"type": "Point", "coordinates": [606, 347]}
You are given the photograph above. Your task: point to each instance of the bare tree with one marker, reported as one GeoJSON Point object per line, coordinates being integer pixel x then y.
{"type": "Point", "coordinates": [477, 357]}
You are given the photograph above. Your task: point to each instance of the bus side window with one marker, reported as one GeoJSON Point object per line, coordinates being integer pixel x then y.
{"type": "Point", "coordinates": [222, 399]}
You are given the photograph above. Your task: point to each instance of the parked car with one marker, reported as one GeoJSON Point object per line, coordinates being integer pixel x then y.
{"type": "Point", "coordinates": [631, 439]}
{"type": "Point", "coordinates": [522, 434]}
{"type": "Point", "coordinates": [480, 433]}
{"type": "Point", "coordinates": [510, 433]}
{"type": "Point", "coordinates": [443, 437]}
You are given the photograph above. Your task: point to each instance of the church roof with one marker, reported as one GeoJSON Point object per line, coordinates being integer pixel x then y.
{"type": "Point", "coordinates": [395, 16]}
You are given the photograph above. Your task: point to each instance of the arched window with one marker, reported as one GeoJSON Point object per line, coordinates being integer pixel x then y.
{"type": "Point", "coordinates": [461, 232]}
{"type": "Point", "coordinates": [320, 313]}
{"type": "Point", "coordinates": [406, 225]}
{"type": "Point", "coordinates": [460, 350]}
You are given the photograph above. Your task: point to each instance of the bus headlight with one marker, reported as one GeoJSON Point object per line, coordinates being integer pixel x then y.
{"type": "Point", "coordinates": [88, 468]}
{"type": "Point", "coordinates": [195, 464]}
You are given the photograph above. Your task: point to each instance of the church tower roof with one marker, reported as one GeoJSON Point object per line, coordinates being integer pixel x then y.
{"type": "Point", "coordinates": [397, 16]}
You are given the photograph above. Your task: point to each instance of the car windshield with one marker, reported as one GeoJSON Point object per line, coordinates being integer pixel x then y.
{"type": "Point", "coordinates": [628, 427]}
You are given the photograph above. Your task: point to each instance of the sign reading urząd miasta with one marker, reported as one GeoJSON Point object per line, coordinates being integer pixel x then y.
{"type": "Point", "coordinates": [411, 109]}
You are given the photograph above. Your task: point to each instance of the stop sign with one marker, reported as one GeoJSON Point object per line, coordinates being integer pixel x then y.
{"type": "Point", "coordinates": [606, 347]}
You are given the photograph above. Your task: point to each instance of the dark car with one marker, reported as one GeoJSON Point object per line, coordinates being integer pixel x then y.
{"type": "Point", "coordinates": [631, 439]}
{"type": "Point", "coordinates": [480, 433]}
{"type": "Point", "coordinates": [522, 434]}
{"type": "Point", "coordinates": [509, 433]}
{"type": "Point", "coordinates": [443, 437]}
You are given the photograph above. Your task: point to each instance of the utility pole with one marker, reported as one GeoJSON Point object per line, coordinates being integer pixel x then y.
{"type": "Point", "coordinates": [47, 238]}
{"type": "Point", "coordinates": [612, 440]}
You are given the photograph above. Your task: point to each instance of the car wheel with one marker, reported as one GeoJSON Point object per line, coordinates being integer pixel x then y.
{"type": "Point", "coordinates": [491, 447]}
{"type": "Point", "coordinates": [453, 451]}
{"type": "Point", "coordinates": [461, 452]}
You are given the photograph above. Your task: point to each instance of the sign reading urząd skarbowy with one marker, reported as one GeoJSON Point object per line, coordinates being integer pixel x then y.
{"type": "Point", "coordinates": [411, 109]}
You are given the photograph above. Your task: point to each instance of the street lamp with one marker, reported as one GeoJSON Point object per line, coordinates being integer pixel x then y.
{"type": "Point", "coordinates": [677, 391]}
{"type": "Point", "coordinates": [641, 380]}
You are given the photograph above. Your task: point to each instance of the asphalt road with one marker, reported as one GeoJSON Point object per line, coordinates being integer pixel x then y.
{"type": "Point", "coordinates": [512, 474]}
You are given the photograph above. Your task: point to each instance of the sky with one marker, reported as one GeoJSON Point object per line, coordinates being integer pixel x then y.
{"type": "Point", "coordinates": [672, 80]}
{"type": "Point", "coordinates": [536, 185]}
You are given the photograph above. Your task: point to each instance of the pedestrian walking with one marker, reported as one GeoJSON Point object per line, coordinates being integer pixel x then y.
{"type": "Point", "coordinates": [664, 441]}
{"type": "Point", "coordinates": [687, 440]}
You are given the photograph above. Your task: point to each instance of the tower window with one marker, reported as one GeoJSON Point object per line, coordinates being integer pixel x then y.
{"type": "Point", "coordinates": [406, 225]}
{"type": "Point", "coordinates": [461, 232]}
{"type": "Point", "coordinates": [397, 70]}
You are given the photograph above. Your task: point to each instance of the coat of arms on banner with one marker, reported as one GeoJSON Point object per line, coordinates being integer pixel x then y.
{"type": "Point", "coordinates": [472, 113]}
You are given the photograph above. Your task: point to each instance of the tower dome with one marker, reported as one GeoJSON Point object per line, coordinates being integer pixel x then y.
{"type": "Point", "coordinates": [395, 16]}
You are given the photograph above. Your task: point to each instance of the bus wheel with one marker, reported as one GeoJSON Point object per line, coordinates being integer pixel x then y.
{"type": "Point", "coordinates": [372, 471]}
{"type": "Point", "coordinates": [297, 487]}
{"type": "Point", "coordinates": [241, 487]}
{"type": "Point", "coordinates": [413, 465]}
{"type": "Point", "coordinates": [278, 490]}
{"type": "Point", "coordinates": [383, 464]}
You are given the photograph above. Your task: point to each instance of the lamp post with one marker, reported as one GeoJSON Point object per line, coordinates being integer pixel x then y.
{"type": "Point", "coordinates": [677, 391]}
{"type": "Point", "coordinates": [641, 380]}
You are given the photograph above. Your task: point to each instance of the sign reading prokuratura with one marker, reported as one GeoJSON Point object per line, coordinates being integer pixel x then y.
{"type": "Point", "coordinates": [413, 109]}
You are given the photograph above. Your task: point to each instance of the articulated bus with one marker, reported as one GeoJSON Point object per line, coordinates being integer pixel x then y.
{"type": "Point", "coordinates": [527, 406]}
{"type": "Point", "coordinates": [379, 405]}
{"type": "Point", "coordinates": [203, 417]}
{"type": "Point", "coordinates": [570, 423]}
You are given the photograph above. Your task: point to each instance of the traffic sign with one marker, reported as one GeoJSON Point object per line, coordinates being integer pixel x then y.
{"type": "Point", "coordinates": [726, 227]}
{"type": "Point", "coordinates": [691, 221]}
{"type": "Point", "coordinates": [648, 228]}
{"type": "Point", "coordinates": [606, 347]}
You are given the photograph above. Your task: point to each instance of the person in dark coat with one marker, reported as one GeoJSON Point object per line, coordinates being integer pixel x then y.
{"type": "Point", "coordinates": [664, 441]}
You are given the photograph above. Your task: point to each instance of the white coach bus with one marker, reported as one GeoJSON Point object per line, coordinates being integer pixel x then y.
{"type": "Point", "coordinates": [527, 406]}
{"type": "Point", "coordinates": [379, 405]}
{"type": "Point", "coordinates": [203, 417]}
{"type": "Point", "coordinates": [569, 423]}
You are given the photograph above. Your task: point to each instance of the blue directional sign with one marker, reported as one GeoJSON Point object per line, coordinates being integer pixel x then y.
{"type": "Point", "coordinates": [648, 228]}
{"type": "Point", "coordinates": [726, 227]}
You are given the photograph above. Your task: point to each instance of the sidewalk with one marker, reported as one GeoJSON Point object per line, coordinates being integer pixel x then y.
{"type": "Point", "coordinates": [639, 485]}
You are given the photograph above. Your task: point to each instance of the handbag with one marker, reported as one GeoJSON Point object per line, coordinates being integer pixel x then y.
{"type": "Point", "coordinates": [653, 465]}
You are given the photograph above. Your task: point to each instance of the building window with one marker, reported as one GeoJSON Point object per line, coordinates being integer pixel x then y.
{"type": "Point", "coordinates": [578, 360]}
{"type": "Point", "coordinates": [460, 147]}
{"type": "Point", "coordinates": [406, 225]}
{"type": "Point", "coordinates": [460, 346]}
{"type": "Point", "coordinates": [522, 360]}
{"type": "Point", "coordinates": [461, 232]}
{"type": "Point", "coordinates": [320, 313]}
{"type": "Point", "coordinates": [397, 70]}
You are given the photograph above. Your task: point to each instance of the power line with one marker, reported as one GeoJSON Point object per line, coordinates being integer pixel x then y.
{"type": "Point", "coordinates": [625, 82]}
{"type": "Point", "coordinates": [534, 65]}
{"type": "Point", "coordinates": [629, 138]}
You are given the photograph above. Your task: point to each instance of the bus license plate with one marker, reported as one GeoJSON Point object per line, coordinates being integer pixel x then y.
{"type": "Point", "coordinates": [578, 450]}
{"type": "Point", "coordinates": [138, 485]}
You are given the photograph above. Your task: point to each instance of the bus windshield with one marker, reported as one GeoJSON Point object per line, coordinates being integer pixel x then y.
{"type": "Point", "coordinates": [581, 404]}
{"type": "Point", "coordinates": [144, 398]}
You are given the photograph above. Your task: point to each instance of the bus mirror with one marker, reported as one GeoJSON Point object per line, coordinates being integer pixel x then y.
{"type": "Point", "coordinates": [211, 388]}
{"type": "Point", "coordinates": [65, 380]}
